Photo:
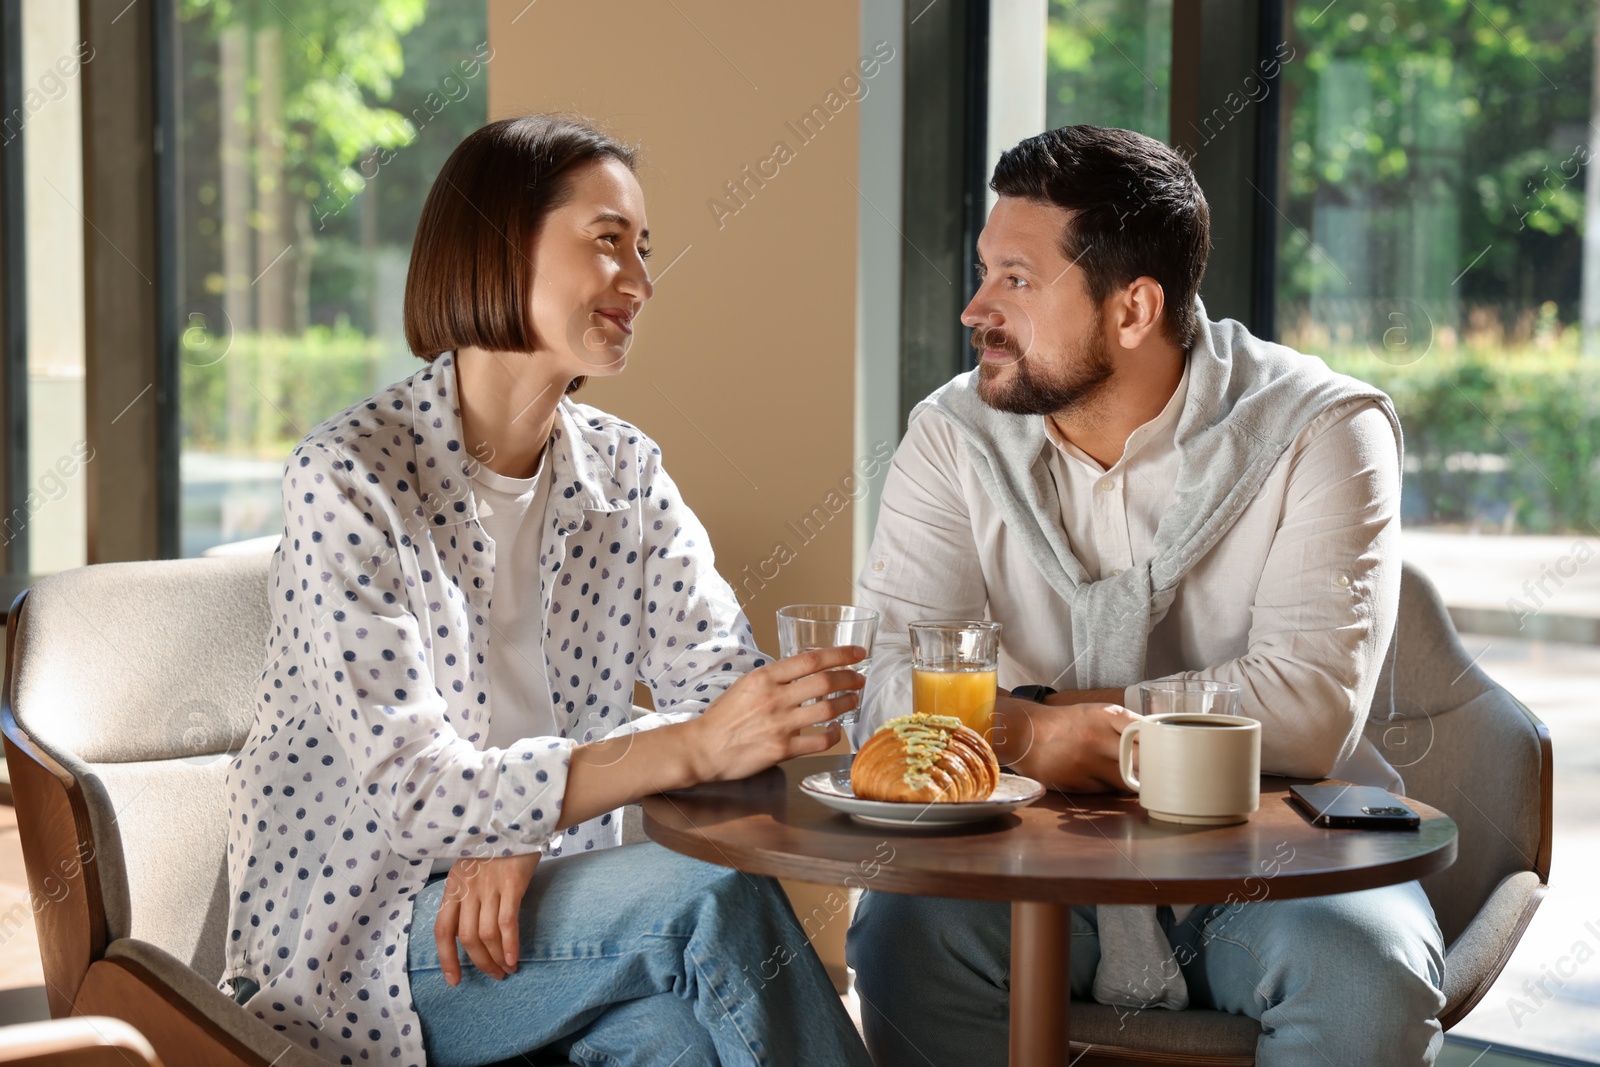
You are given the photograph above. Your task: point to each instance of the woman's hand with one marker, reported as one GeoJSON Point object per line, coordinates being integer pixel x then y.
{"type": "Point", "coordinates": [755, 723]}
{"type": "Point", "coordinates": [481, 902]}
{"type": "Point", "coordinates": [758, 721]}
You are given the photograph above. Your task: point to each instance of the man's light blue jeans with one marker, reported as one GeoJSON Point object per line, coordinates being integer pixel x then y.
{"type": "Point", "coordinates": [1346, 980]}
{"type": "Point", "coordinates": [638, 956]}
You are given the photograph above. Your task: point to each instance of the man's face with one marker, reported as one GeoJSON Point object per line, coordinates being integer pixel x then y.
{"type": "Point", "coordinates": [1040, 336]}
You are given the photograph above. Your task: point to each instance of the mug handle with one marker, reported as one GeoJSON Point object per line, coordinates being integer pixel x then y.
{"type": "Point", "coordinates": [1125, 755]}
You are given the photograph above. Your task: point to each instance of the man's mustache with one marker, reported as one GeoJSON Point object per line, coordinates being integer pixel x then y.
{"type": "Point", "coordinates": [988, 337]}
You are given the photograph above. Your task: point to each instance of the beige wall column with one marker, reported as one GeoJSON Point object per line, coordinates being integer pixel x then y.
{"type": "Point", "coordinates": [744, 363]}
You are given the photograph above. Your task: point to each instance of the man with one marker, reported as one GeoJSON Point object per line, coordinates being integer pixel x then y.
{"type": "Point", "coordinates": [1135, 492]}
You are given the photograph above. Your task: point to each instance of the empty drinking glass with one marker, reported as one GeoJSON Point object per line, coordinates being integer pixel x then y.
{"type": "Point", "coordinates": [1194, 696]}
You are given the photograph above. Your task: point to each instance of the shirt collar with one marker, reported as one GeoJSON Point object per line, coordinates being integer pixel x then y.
{"type": "Point", "coordinates": [583, 474]}
{"type": "Point", "coordinates": [581, 456]}
{"type": "Point", "coordinates": [1163, 425]}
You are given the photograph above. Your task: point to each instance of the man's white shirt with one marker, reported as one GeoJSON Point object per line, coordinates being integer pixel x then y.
{"type": "Point", "coordinates": [1296, 603]}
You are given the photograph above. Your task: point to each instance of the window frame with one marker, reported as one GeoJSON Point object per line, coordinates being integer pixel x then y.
{"type": "Point", "coordinates": [943, 202]}
{"type": "Point", "coordinates": [13, 295]}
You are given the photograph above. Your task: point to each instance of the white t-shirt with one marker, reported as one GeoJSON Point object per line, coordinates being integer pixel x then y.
{"type": "Point", "coordinates": [512, 511]}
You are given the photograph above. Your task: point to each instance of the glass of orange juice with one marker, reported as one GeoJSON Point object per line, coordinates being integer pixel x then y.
{"type": "Point", "coordinates": [954, 663]}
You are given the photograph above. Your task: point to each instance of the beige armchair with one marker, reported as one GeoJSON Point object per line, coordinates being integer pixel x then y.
{"type": "Point", "coordinates": [129, 688]}
{"type": "Point", "coordinates": [1463, 745]}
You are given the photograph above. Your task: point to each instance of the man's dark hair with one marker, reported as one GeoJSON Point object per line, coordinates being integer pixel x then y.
{"type": "Point", "coordinates": [471, 277]}
{"type": "Point", "coordinates": [1137, 211]}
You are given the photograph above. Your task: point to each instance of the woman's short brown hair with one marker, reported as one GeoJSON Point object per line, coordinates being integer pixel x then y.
{"type": "Point", "coordinates": [471, 268]}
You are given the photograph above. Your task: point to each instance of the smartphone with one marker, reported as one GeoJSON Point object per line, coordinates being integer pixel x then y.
{"type": "Point", "coordinates": [1354, 807]}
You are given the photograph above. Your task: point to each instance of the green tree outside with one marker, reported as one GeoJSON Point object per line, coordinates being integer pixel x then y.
{"type": "Point", "coordinates": [1432, 183]}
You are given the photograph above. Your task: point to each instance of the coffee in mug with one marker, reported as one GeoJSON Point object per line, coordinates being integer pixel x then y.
{"type": "Point", "coordinates": [1202, 769]}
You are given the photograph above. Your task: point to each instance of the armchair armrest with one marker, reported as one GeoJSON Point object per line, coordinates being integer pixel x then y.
{"type": "Point", "coordinates": [82, 1041]}
{"type": "Point", "coordinates": [186, 1017]}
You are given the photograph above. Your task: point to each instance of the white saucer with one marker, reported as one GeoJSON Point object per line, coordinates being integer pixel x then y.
{"type": "Point", "coordinates": [832, 788]}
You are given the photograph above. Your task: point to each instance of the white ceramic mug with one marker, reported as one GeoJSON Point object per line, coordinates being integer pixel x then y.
{"type": "Point", "coordinates": [1203, 769]}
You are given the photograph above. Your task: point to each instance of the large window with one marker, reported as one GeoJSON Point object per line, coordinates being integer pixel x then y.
{"type": "Point", "coordinates": [1109, 64]}
{"type": "Point", "coordinates": [1433, 178]}
{"type": "Point", "coordinates": [309, 133]}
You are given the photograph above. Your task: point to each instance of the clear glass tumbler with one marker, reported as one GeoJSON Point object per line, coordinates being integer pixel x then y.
{"type": "Point", "coordinates": [807, 627]}
{"type": "Point", "coordinates": [954, 664]}
{"type": "Point", "coordinates": [1193, 696]}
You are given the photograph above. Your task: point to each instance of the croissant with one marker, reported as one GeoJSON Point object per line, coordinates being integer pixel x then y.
{"type": "Point", "coordinates": [925, 759]}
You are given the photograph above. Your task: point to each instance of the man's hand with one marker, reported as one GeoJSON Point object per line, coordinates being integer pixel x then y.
{"type": "Point", "coordinates": [1071, 749]}
{"type": "Point", "coordinates": [481, 902]}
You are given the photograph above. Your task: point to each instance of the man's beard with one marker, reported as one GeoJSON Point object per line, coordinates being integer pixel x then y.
{"type": "Point", "coordinates": [1085, 374]}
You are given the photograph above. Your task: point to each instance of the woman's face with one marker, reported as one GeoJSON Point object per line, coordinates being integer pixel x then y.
{"type": "Point", "coordinates": [589, 272]}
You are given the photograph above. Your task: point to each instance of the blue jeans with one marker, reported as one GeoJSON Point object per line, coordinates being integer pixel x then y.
{"type": "Point", "coordinates": [635, 956]}
{"type": "Point", "coordinates": [1349, 979]}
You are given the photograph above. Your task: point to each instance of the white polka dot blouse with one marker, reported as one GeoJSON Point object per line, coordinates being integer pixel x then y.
{"type": "Point", "coordinates": [367, 760]}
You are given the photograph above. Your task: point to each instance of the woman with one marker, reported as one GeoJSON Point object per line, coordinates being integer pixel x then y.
{"type": "Point", "coordinates": [474, 572]}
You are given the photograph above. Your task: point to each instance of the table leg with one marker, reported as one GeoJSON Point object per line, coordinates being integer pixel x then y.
{"type": "Point", "coordinates": [1040, 981]}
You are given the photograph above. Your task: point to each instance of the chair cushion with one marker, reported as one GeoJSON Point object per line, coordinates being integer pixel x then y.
{"type": "Point", "coordinates": [161, 843]}
{"type": "Point", "coordinates": [139, 679]}
{"type": "Point", "coordinates": [1463, 744]}
{"type": "Point", "coordinates": [1476, 954]}
{"type": "Point", "coordinates": [1480, 764]}
{"type": "Point", "coordinates": [123, 662]}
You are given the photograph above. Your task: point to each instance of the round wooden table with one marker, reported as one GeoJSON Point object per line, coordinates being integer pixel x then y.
{"type": "Point", "coordinates": [1063, 850]}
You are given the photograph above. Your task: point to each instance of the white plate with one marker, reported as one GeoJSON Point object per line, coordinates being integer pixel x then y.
{"type": "Point", "coordinates": [832, 788]}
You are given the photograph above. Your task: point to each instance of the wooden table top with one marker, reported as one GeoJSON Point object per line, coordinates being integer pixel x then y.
{"type": "Point", "coordinates": [1083, 849]}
